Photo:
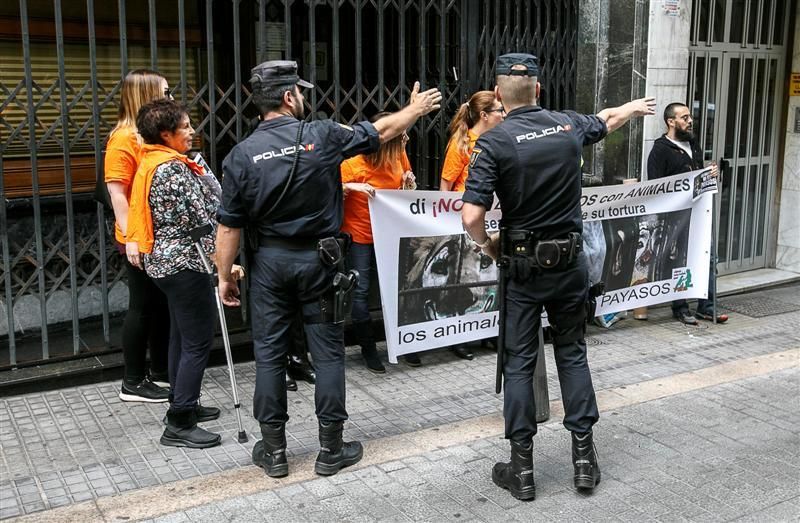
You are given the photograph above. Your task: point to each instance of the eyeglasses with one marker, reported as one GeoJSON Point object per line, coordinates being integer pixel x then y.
{"type": "Point", "coordinates": [499, 109]}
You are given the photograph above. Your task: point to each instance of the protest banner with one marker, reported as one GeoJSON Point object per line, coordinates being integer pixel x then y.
{"type": "Point", "coordinates": [649, 242]}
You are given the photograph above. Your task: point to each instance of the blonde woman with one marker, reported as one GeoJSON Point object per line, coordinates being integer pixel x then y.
{"type": "Point", "coordinates": [388, 168]}
{"type": "Point", "coordinates": [147, 320]}
{"type": "Point", "coordinates": [481, 113]}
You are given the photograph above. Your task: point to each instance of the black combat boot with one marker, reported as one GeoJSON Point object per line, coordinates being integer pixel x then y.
{"type": "Point", "coordinates": [363, 332]}
{"type": "Point", "coordinates": [517, 476]}
{"type": "Point", "coordinates": [270, 452]}
{"type": "Point", "coordinates": [584, 459]}
{"type": "Point", "coordinates": [335, 454]}
{"type": "Point", "coordinates": [182, 431]}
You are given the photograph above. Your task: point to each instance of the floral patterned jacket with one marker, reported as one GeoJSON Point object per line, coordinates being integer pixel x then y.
{"type": "Point", "coordinates": [179, 202]}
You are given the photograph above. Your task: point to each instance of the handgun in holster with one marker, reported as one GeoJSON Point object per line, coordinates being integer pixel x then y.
{"type": "Point", "coordinates": [336, 303]}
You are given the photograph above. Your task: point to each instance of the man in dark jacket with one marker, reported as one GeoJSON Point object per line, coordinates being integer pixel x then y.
{"type": "Point", "coordinates": [674, 153]}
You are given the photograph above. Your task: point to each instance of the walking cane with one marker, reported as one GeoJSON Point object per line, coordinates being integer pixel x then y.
{"type": "Point", "coordinates": [196, 235]}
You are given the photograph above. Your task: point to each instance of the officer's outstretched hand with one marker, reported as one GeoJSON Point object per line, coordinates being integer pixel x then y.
{"type": "Point", "coordinates": [425, 101]}
{"type": "Point", "coordinates": [229, 293]}
{"type": "Point", "coordinates": [644, 106]}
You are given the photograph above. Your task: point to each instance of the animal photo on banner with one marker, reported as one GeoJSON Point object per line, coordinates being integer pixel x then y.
{"type": "Point", "coordinates": [442, 277]}
{"type": "Point", "coordinates": [637, 249]}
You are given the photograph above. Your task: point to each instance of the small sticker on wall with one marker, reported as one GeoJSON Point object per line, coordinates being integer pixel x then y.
{"type": "Point", "coordinates": [671, 7]}
{"type": "Point", "coordinates": [794, 84]}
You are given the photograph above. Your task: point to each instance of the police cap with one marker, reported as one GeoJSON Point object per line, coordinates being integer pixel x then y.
{"type": "Point", "coordinates": [505, 63]}
{"type": "Point", "coordinates": [277, 72]}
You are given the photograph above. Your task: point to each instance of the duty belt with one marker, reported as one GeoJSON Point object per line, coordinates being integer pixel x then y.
{"type": "Point", "coordinates": [523, 254]}
{"type": "Point", "coordinates": [296, 244]}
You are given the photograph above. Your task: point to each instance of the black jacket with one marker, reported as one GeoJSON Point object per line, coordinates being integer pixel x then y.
{"type": "Point", "coordinates": [668, 159]}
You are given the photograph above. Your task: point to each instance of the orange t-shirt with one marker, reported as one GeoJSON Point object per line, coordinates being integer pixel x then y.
{"type": "Point", "coordinates": [455, 165]}
{"type": "Point", "coordinates": [123, 154]}
{"type": "Point", "coordinates": [356, 207]}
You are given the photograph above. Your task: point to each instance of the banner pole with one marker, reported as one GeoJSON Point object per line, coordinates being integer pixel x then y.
{"type": "Point", "coordinates": [714, 240]}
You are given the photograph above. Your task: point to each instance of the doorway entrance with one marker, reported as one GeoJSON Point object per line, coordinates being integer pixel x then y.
{"type": "Point", "coordinates": [736, 71]}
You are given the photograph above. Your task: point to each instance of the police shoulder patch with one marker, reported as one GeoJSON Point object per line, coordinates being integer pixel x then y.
{"type": "Point", "coordinates": [474, 156]}
{"type": "Point", "coordinates": [345, 126]}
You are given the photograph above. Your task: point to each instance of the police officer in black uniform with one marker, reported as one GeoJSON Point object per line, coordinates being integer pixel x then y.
{"type": "Point", "coordinates": [283, 183]}
{"type": "Point", "coordinates": [532, 162]}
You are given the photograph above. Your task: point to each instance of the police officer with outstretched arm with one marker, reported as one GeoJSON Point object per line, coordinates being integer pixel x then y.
{"type": "Point", "coordinates": [532, 162]}
{"type": "Point", "coordinates": [283, 184]}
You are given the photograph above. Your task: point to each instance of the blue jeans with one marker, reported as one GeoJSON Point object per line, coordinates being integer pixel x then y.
{"type": "Point", "coordinates": [362, 258]}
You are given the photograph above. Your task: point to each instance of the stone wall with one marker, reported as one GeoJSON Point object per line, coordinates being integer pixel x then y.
{"type": "Point", "coordinates": [667, 66]}
{"type": "Point", "coordinates": [787, 256]}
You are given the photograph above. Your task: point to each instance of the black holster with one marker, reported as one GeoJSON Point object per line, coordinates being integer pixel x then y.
{"type": "Point", "coordinates": [335, 304]}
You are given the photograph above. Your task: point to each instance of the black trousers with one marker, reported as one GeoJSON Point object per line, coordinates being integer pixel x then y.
{"type": "Point", "coordinates": [284, 281]}
{"type": "Point", "coordinates": [193, 312]}
{"type": "Point", "coordinates": [146, 324]}
{"type": "Point", "coordinates": [563, 295]}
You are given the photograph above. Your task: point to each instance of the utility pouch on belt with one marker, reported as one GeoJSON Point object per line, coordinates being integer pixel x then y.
{"type": "Point", "coordinates": [550, 254]}
{"type": "Point", "coordinates": [330, 252]}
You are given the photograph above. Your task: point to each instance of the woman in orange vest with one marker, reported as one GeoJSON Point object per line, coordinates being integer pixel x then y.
{"type": "Point", "coordinates": [171, 196]}
{"type": "Point", "coordinates": [481, 113]}
{"type": "Point", "coordinates": [147, 320]}
{"type": "Point", "coordinates": [388, 168]}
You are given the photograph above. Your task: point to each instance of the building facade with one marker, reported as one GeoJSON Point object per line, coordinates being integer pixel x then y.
{"type": "Point", "coordinates": [62, 285]}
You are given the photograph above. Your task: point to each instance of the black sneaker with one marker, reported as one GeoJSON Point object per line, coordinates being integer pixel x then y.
{"type": "Point", "coordinates": [162, 380]}
{"type": "Point", "coordinates": [413, 360]}
{"type": "Point", "coordinates": [146, 391]}
{"type": "Point", "coordinates": [686, 318]}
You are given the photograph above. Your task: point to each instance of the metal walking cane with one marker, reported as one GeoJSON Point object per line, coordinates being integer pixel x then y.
{"type": "Point", "coordinates": [196, 235]}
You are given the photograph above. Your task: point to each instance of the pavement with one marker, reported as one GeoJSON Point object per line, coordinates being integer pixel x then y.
{"type": "Point", "coordinates": [697, 424]}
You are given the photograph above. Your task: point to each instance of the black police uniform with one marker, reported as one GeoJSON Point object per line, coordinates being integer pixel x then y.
{"type": "Point", "coordinates": [287, 273]}
{"type": "Point", "coordinates": [532, 161]}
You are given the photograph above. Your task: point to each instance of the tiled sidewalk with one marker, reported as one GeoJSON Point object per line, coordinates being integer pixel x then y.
{"type": "Point", "coordinates": [62, 447]}
{"type": "Point", "coordinates": [698, 456]}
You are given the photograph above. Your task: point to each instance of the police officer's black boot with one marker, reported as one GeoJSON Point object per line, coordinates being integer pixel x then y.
{"type": "Point", "coordinates": [584, 459]}
{"type": "Point", "coordinates": [270, 452]}
{"type": "Point", "coordinates": [517, 476]}
{"type": "Point", "coordinates": [334, 453]}
{"type": "Point", "coordinates": [363, 332]}
{"type": "Point", "coordinates": [182, 431]}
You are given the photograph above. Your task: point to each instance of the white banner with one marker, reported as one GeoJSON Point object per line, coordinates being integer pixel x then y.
{"type": "Point", "coordinates": [649, 242]}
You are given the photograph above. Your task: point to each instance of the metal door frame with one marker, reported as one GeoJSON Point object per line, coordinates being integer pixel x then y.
{"type": "Point", "coordinates": [725, 52]}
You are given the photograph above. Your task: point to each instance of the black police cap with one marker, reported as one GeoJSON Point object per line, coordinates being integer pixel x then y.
{"type": "Point", "coordinates": [277, 72]}
{"type": "Point", "coordinates": [505, 63]}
